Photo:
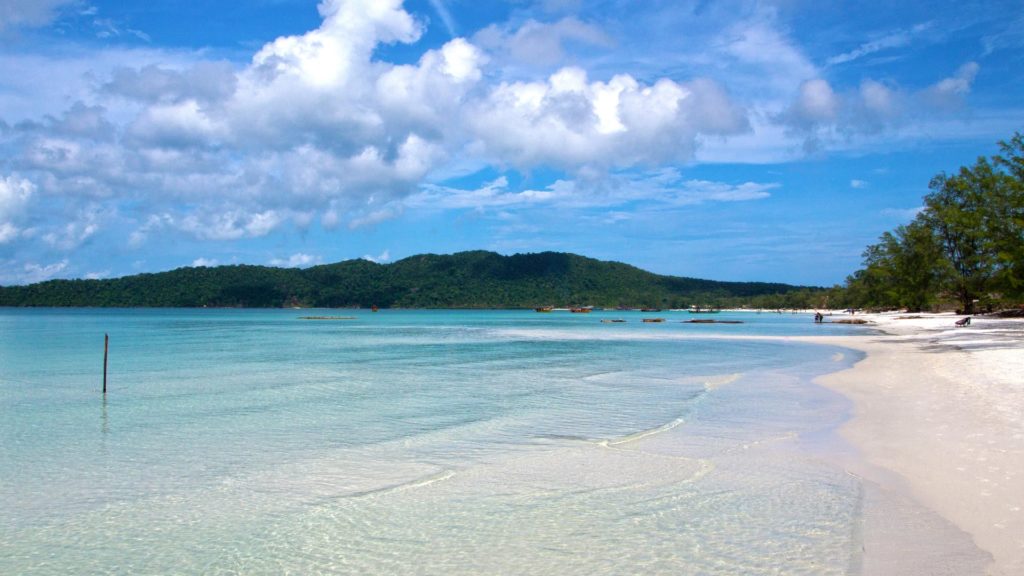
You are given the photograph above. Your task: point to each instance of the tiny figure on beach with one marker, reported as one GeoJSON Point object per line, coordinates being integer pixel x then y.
{"type": "Point", "coordinates": [819, 317]}
{"type": "Point", "coordinates": [965, 321]}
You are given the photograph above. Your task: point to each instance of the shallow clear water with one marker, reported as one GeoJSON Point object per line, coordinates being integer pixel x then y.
{"type": "Point", "coordinates": [431, 442]}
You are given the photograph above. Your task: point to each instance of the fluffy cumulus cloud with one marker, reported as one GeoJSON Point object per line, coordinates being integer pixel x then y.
{"type": "Point", "coordinates": [571, 121]}
{"type": "Point", "coordinates": [316, 128]}
{"type": "Point", "coordinates": [381, 258]}
{"type": "Point", "coordinates": [820, 113]}
{"type": "Point", "coordinates": [13, 271]}
{"type": "Point", "coordinates": [312, 123]}
{"type": "Point", "coordinates": [298, 260]}
{"type": "Point", "coordinates": [816, 103]}
{"type": "Point", "coordinates": [15, 194]}
{"type": "Point", "coordinates": [949, 92]}
{"type": "Point", "coordinates": [202, 262]}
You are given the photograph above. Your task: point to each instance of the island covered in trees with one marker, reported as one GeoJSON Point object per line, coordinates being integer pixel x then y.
{"type": "Point", "coordinates": [476, 279]}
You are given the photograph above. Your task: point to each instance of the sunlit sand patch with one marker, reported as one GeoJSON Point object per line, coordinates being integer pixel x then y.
{"type": "Point", "coordinates": [719, 381]}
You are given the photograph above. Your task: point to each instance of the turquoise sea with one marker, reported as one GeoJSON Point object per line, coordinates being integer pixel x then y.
{"type": "Point", "coordinates": [420, 442]}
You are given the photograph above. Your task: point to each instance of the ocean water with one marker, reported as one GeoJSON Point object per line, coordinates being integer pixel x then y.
{"type": "Point", "coordinates": [420, 442]}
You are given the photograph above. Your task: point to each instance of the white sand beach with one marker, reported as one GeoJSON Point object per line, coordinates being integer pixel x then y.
{"type": "Point", "coordinates": [939, 420]}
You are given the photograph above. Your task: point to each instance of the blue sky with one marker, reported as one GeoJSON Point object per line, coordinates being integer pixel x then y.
{"type": "Point", "coordinates": [729, 140]}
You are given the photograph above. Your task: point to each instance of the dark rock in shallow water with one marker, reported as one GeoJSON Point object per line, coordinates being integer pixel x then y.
{"type": "Point", "coordinates": [712, 322]}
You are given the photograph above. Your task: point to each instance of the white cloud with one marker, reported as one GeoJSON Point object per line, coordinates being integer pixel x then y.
{"type": "Point", "coordinates": [879, 101]}
{"type": "Point", "coordinates": [316, 125]}
{"type": "Point", "coordinates": [857, 184]}
{"type": "Point", "coordinates": [205, 262]}
{"type": "Point", "coordinates": [777, 64]}
{"type": "Point", "coordinates": [231, 225]}
{"type": "Point", "coordinates": [202, 82]}
{"type": "Point", "coordinates": [817, 103]}
{"type": "Point", "coordinates": [8, 232]}
{"type": "Point", "coordinates": [380, 258]}
{"type": "Point", "coordinates": [445, 15]}
{"type": "Point", "coordinates": [154, 222]}
{"type": "Point", "coordinates": [30, 13]}
{"type": "Point", "coordinates": [570, 122]}
{"type": "Point", "coordinates": [665, 187]}
{"type": "Point", "coordinates": [73, 234]}
{"type": "Point", "coordinates": [949, 92]}
{"type": "Point", "coordinates": [15, 193]}
{"type": "Point", "coordinates": [172, 126]}
{"type": "Point", "coordinates": [33, 272]}
{"type": "Point", "coordinates": [896, 39]}
{"type": "Point", "coordinates": [375, 217]}
{"type": "Point", "coordinates": [538, 44]}
{"type": "Point", "coordinates": [298, 260]}
{"type": "Point", "coordinates": [824, 117]}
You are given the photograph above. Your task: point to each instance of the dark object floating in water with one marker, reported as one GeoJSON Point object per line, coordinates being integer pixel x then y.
{"type": "Point", "coordinates": [849, 321]}
{"type": "Point", "coordinates": [612, 321]}
{"type": "Point", "coordinates": [712, 322]}
{"type": "Point", "coordinates": [654, 319]}
{"type": "Point", "coordinates": [544, 309]}
{"type": "Point", "coordinates": [327, 317]}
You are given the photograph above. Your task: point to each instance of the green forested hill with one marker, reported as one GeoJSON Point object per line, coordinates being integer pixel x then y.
{"type": "Point", "coordinates": [476, 279]}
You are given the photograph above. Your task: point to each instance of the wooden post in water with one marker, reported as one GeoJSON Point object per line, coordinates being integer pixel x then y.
{"type": "Point", "coordinates": [106, 345]}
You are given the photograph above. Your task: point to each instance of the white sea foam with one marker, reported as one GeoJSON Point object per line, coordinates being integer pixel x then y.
{"type": "Point", "coordinates": [644, 434]}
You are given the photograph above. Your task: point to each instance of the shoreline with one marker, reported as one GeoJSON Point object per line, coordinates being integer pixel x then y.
{"type": "Point", "coordinates": [938, 421]}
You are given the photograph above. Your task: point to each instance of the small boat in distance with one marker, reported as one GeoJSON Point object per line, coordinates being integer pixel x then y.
{"type": "Point", "coordinates": [650, 309]}
{"type": "Point", "coordinates": [581, 310]}
{"type": "Point", "coordinates": [374, 308]}
{"type": "Point", "coordinates": [544, 309]}
{"type": "Point", "coordinates": [696, 310]}
{"type": "Point", "coordinates": [649, 320]}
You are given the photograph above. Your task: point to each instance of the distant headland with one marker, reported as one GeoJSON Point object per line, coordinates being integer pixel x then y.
{"type": "Point", "coordinates": [474, 279]}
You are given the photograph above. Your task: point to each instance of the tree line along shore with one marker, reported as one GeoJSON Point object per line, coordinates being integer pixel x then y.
{"type": "Point", "coordinates": [964, 250]}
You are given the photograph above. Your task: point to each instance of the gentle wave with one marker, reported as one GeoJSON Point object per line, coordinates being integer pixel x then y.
{"type": "Point", "coordinates": [643, 434]}
{"type": "Point", "coordinates": [402, 487]}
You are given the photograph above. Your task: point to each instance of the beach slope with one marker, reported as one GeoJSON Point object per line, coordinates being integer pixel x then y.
{"type": "Point", "coordinates": [939, 421]}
